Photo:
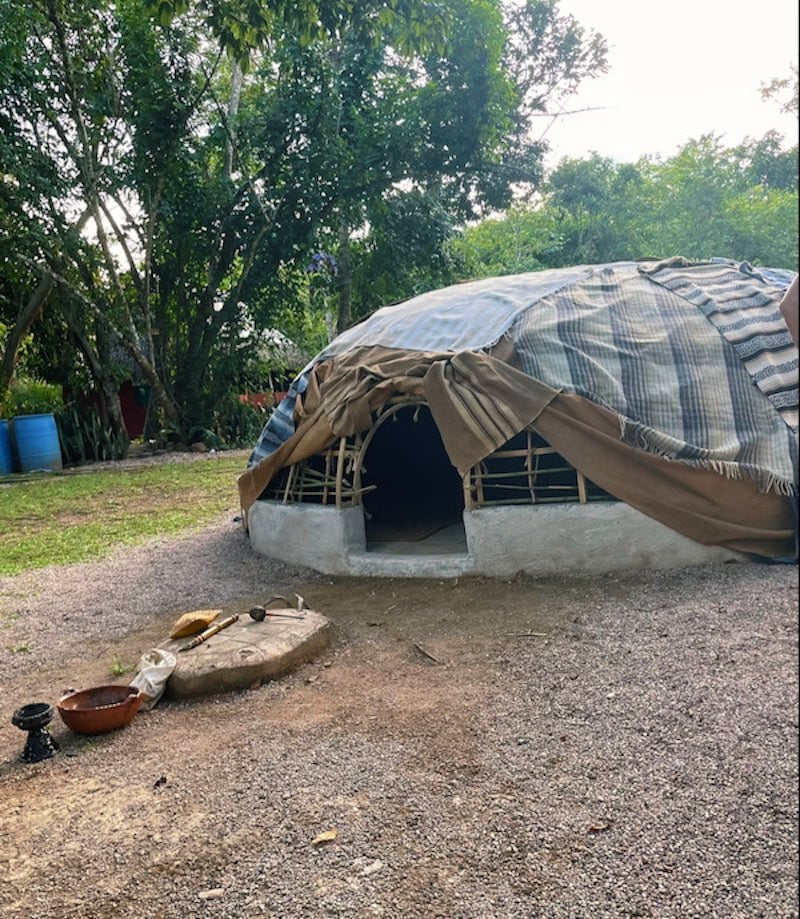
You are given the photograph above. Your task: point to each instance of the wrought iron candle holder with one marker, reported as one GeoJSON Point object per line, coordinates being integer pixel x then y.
{"type": "Point", "coordinates": [34, 719]}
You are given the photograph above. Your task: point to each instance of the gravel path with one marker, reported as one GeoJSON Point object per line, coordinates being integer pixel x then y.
{"type": "Point", "coordinates": [561, 747]}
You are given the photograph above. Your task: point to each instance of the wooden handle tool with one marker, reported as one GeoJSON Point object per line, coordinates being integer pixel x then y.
{"type": "Point", "coordinates": [211, 630]}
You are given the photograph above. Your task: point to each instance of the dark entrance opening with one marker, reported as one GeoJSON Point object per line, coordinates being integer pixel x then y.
{"type": "Point", "coordinates": [417, 491]}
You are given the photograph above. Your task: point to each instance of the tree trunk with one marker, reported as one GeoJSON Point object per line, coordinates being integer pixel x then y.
{"type": "Point", "coordinates": [27, 316]}
{"type": "Point", "coordinates": [109, 388]}
{"type": "Point", "coordinates": [233, 111]}
{"type": "Point", "coordinates": [345, 318]}
{"type": "Point", "coordinates": [97, 361]}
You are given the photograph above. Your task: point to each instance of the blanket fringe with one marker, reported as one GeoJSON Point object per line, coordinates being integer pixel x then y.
{"type": "Point", "coordinates": [724, 468]}
{"type": "Point", "coordinates": [635, 435]}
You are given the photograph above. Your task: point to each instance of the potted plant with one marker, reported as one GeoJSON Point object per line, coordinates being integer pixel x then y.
{"type": "Point", "coordinates": [31, 404]}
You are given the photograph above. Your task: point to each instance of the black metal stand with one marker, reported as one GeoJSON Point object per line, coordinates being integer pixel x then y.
{"type": "Point", "coordinates": [34, 719]}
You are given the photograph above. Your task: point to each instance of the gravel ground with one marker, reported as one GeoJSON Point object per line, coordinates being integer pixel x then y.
{"type": "Point", "coordinates": [561, 747]}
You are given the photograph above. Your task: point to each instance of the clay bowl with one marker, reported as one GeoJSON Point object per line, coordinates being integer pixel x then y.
{"type": "Point", "coordinates": [99, 709]}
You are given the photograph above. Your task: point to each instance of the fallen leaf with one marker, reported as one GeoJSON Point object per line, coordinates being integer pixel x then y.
{"type": "Point", "coordinates": [327, 836]}
{"type": "Point", "coordinates": [213, 894]}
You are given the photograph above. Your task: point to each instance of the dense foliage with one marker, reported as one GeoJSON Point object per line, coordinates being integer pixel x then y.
{"type": "Point", "coordinates": [706, 201]}
{"type": "Point", "coordinates": [180, 178]}
{"type": "Point", "coordinates": [168, 170]}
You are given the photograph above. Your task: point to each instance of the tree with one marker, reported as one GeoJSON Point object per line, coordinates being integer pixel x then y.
{"type": "Point", "coordinates": [442, 137]}
{"type": "Point", "coordinates": [406, 251]}
{"type": "Point", "coordinates": [173, 188]}
{"type": "Point", "coordinates": [115, 147]}
{"type": "Point", "coordinates": [706, 201]}
{"type": "Point", "coordinates": [699, 199]}
{"type": "Point", "coordinates": [787, 88]}
{"type": "Point", "coordinates": [51, 151]}
{"type": "Point", "coordinates": [430, 100]}
{"type": "Point", "coordinates": [600, 207]}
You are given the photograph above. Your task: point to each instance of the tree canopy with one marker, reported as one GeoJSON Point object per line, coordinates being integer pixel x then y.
{"type": "Point", "coordinates": [706, 201]}
{"type": "Point", "coordinates": [165, 192]}
{"type": "Point", "coordinates": [180, 178]}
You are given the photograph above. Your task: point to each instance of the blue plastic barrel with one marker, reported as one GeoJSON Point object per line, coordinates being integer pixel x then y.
{"type": "Point", "coordinates": [38, 448]}
{"type": "Point", "coordinates": [6, 456]}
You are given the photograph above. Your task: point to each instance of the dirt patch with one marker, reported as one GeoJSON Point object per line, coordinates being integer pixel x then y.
{"type": "Point", "coordinates": [619, 746]}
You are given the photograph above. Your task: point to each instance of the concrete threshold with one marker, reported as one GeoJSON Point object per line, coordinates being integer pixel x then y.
{"type": "Point", "coordinates": [391, 565]}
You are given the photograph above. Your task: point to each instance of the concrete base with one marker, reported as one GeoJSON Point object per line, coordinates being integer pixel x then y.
{"type": "Point", "coordinates": [584, 538]}
{"type": "Point", "coordinates": [313, 535]}
{"type": "Point", "coordinates": [246, 653]}
{"type": "Point", "coordinates": [592, 538]}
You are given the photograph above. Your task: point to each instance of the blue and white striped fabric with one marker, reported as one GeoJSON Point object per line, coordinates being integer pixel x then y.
{"type": "Point", "coordinates": [280, 425]}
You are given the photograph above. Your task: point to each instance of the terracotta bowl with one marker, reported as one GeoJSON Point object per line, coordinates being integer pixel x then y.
{"type": "Point", "coordinates": [100, 709]}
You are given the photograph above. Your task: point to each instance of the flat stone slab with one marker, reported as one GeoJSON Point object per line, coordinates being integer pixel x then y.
{"type": "Point", "coordinates": [245, 653]}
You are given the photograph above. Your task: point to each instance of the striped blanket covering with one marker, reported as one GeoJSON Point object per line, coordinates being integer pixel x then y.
{"type": "Point", "coordinates": [743, 304]}
{"type": "Point", "coordinates": [694, 358]}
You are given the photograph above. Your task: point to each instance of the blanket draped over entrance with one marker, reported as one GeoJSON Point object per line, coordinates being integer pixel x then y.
{"type": "Point", "coordinates": [672, 385]}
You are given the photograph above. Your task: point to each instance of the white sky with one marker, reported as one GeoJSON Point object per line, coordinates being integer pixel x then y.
{"type": "Point", "coordinates": [679, 69]}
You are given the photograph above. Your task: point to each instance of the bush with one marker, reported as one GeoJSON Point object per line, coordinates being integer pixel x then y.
{"type": "Point", "coordinates": [238, 424]}
{"type": "Point", "coordinates": [32, 396]}
{"type": "Point", "coordinates": [85, 438]}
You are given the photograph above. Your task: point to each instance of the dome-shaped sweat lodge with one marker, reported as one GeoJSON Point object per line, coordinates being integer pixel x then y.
{"type": "Point", "coordinates": [579, 419]}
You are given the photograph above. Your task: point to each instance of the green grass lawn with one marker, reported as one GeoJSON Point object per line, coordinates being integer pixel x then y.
{"type": "Point", "coordinates": [83, 514]}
